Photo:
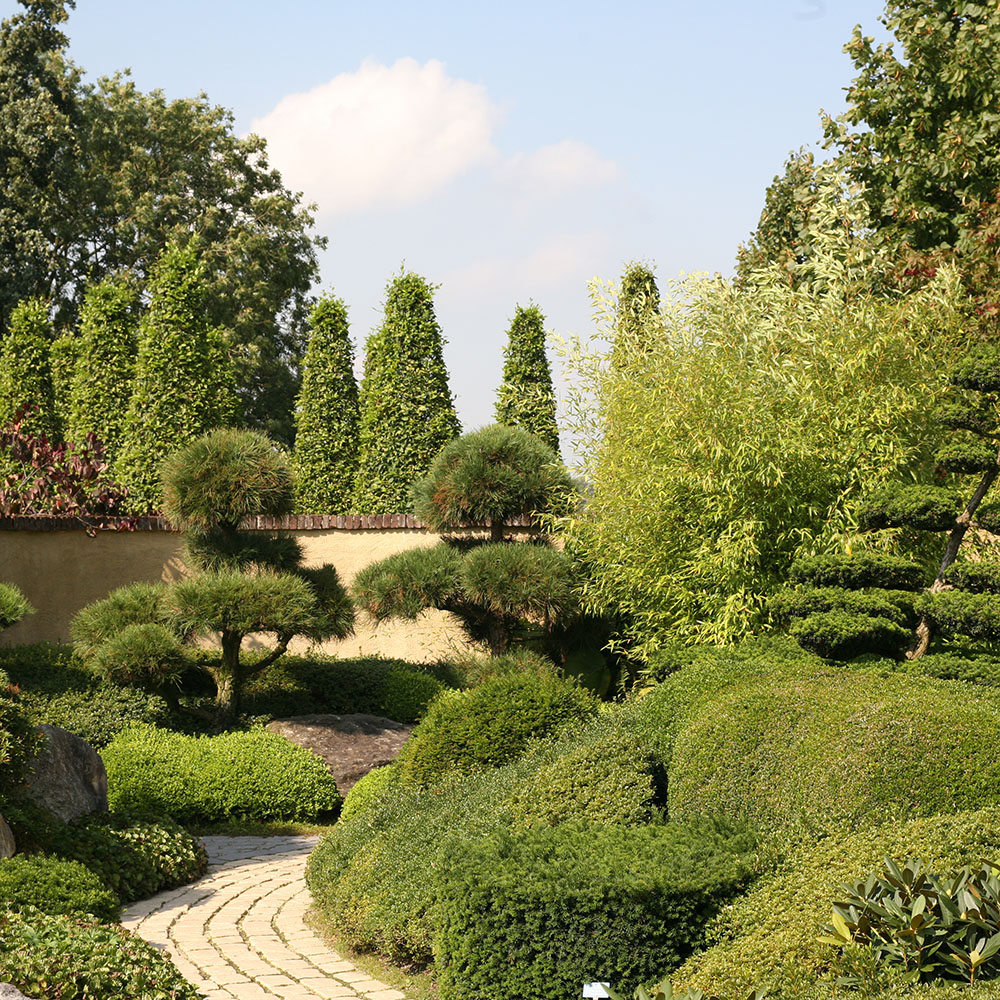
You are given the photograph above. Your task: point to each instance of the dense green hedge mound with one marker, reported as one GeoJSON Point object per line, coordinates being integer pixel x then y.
{"type": "Point", "coordinates": [65, 958]}
{"type": "Point", "coordinates": [53, 885]}
{"type": "Point", "coordinates": [895, 606]}
{"type": "Point", "coordinates": [201, 779]}
{"type": "Point", "coordinates": [132, 856]}
{"type": "Point", "coordinates": [372, 874]}
{"type": "Point", "coordinates": [369, 790]}
{"type": "Point", "coordinates": [842, 635]}
{"type": "Point", "coordinates": [975, 577]}
{"type": "Point", "coordinates": [930, 508]}
{"type": "Point", "coordinates": [867, 569]}
{"type": "Point", "coordinates": [768, 939]}
{"type": "Point", "coordinates": [490, 724]}
{"type": "Point", "coordinates": [800, 746]}
{"type": "Point", "coordinates": [578, 904]}
{"type": "Point", "coordinates": [953, 613]}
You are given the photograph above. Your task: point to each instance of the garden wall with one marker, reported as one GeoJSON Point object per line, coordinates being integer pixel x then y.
{"type": "Point", "coordinates": [61, 569]}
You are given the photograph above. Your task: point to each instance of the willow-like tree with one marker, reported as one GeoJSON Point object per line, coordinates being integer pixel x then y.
{"type": "Point", "coordinates": [25, 373]}
{"type": "Point", "coordinates": [101, 385]}
{"type": "Point", "coordinates": [525, 398]}
{"type": "Point", "coordinates": [183, 384]}
{"type": "Point", "coordinates": [325, 461]}
{"type": "Point", "coordinates": [407, 410]}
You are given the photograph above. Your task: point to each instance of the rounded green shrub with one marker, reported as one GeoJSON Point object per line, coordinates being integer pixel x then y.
{"type": "Point", "coordinates": [370, 789]}
{"type": "Point", "coordinates": [966, 458]}
{"type": "Point", "coordinates": [133, 604]}
{"type": "Point", "coordinates": [867, 569]}
{"type": "Point", "coordinates": [204, 779]}
{"type": "Point", "coordinates": [54, 886]}
{"type": "Point", "coordinates": [490, 725]}
{"type": "Point", "coordinates": [13, 605]}
{"type": "Point", "coordinates": [953, 613]}
{"type": "Point", "coordinates": [841, 635]}
{"type": "Point", "coordinates": [769, 938]}
{"type": "Point", "coordinates": [407, 693]}
{"type": "Point", "coordinates": [975, 577]}
{"type": "Point", "coordinates": [577, 904]}
{"type": "Point", "coordinates": [147, 655]}
{"type": "Point", "coordinates": [477, 669]}
{"type": "Point", "coordinates": [928, 508]}
{"type": "Point", "coordinates": [787, 605]}
{"type": "Point", "coordinates": [65, 958]}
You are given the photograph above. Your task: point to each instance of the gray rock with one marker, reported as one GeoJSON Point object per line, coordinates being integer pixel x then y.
{"type": "Point", "coordinates": [7, 848]}
{"type": "Point", "coordinates": [67, 776]}
{"type": "Point", "coordinates": [8, 992]}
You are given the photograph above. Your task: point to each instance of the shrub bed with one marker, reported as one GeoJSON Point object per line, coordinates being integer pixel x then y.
{"type": "Point", "coordinates": [53, 885]}
{"type": "Point", "coordinates": [536, 914]}
{"type": "Point", "coordinates": [254, 775]}
{"type": "Point", "coordinates": [67, 958]}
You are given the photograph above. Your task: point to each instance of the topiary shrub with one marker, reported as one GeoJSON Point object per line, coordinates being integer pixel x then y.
{"type": "Point", "coordinates": [369, 790]}
{"type": "Point", "coordinates": [975, 577]}
{"type": "Point", "coordinates": [867, 569]}
{"type": "Point", "coordinates": [840, 635]}
{"type": "Point", "coordinates": [489, 725]}
{"type": "Point", "coordinates": [200, 779]}
{"type": "Point", "coordinates": [578, 904]}
{"type": "Point", "coordinates": [953, 613]}
{"type": "Point", "coordinates": [407, 693]}
{"type": "Point", "coordinates": [929, 508]}
{"type": "Point", "coordinates": [476, 669]}
{"type": "Point", "coordinates": [66, 958]}
{"type": "Point", "coordinates": [54, 886]}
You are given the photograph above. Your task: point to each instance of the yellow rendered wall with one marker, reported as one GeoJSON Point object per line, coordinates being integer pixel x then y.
{"type": "Point", "coordinates": [61, 571]}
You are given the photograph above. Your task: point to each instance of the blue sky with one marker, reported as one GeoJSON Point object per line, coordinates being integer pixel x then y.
{"type": "Point", "coordinates": [510, 152]}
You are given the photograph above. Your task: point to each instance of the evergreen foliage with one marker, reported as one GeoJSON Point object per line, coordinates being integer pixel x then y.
{"type": "Point", "coordinates": [25, 373]}
{"type": "Point", "coordinates": [526, 398]}
{"type": "Point", "coordinates": [407, 411]}
{"type": "Point", "coordinates": [183, 382]}
{"type": "Point", "coordinates": [637, 308]}
{"type": "Point", "coordinates": [101, 385]}
{"type": "Point", "coordinates": [62, 362]}
{"type": "Point", "coordinates": [325, 460]}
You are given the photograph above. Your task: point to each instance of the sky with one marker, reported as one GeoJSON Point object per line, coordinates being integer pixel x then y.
{"type": "Point", "coordinates": [509, 153]}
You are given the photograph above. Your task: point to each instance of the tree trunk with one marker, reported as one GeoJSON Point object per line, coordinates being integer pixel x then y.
{"type": "Point", "coordinates": [498, 636]}
{"type": "Point", "coordinates": [228, 682]}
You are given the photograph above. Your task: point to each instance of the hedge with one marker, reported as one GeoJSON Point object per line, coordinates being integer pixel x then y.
{"type": "Point", "coordinates": [53, 885]}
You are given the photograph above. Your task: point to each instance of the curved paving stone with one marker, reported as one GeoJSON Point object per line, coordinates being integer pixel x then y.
{"type": "Point", "coordinates": [239, 932]}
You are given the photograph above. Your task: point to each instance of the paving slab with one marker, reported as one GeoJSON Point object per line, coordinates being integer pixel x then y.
{"type": "Point", "coordinates": [239, 932]}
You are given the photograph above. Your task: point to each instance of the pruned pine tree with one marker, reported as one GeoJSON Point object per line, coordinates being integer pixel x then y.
{"type": "Point", "coordinates": [407, 410]}
{"type": "Point", "coordinates": [105, 365]}
{"type": "Point", "coordinates": [184, 384]}
{"type": "Point", "coordinates": [325, 461]}
{"type": "Point", "coordinates": [25, 372]}
{"type": "Point", "coordinates": [525, 398]}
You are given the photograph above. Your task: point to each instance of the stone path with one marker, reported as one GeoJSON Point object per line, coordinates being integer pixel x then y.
{"type": "Point", "coordinates": [239, 931]}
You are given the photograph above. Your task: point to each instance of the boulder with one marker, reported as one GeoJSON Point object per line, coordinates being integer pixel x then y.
{"type": "Point", "coordinates": [67, 776]}
{"type": "Point", "coordinates": [7, 848]}
{"type": "Point", "coordinates": [8, 992]}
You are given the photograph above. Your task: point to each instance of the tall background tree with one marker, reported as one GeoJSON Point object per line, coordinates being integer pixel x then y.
{"type": "Point", "coordinates": [25, 372]}
{"type": "Point", "coordinates": [325, 461]}
{"type": "Point", "coordinates": [525, 398]}
{"type": "Point", "coordinates": [99, 178]}
{"type": "Point", "coordinates": [183, 383]}
{"type": "Point", "coordinates": [407, 411]}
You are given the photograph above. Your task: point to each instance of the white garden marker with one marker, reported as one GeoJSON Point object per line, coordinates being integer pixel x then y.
{"type": "Point", "coordinates": [596, 989]}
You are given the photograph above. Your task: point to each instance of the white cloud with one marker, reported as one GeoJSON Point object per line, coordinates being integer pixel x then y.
{"type": "Point", "coordinates": [384, 135]}
{"type": "Point", "coordinates": [557, 169]}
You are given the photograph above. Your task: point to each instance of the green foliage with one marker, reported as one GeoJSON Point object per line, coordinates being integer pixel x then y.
{"type": "Point", "coordinates": [184, 384]}
{"type": "Point", "coordinates": [488, 477]}
{"type": "Point", "coordinates": [978, 669]}
{"type": "Point", "coordinates": [749, 733]}
{"type": "Point", "coordinates": [741, 437]}
{"type": "Point", "coordinates": [62, 363]}
{"type": "Point", "coordinates": [788, 605]}
{"type": "Point", "coordinates": [406, 583]}
{"type": "Point", "coordinates": [54, 886]}
{"type": "Point", "coordinates": [975, 577]}
{"type": "Point", "coordinates": [489, 725]}
{"type": "Point", "coordinates": [925, 508]}
{"type": "Point", "coordinates": [866, 569]}
{"type": "Point", "coordinates": [930, 927]}
{"type": "Point", "coordinates": [841, 635]}
{"type": "Point", "coordinates": [407, 411]}
{"type": "Point", "coordinates": [525, 397]}
{"type": "Point", "coordinates": [149, 656]}
{"type": "Point", "coordinates": [199, 779]}
{"type": "Point", "coordinates": [135, 603]}
{"type": "Point", "coordinates": [637, 307]}
{"type": "Point", "coordinates": [769, 938]}
{"type": "Point", "coordinates": [473, 669]}
{"type": "Point", "coordinates": [325, 460]}
{"type": "Point", "coordinates": [18, 740]}
{"type": "Point", "coordinates": [917, 132]}
{"type": "Point", "coordinates": [223, 477]}
{"type": "Point", "coordinates": [978, 370]}
{"type": "Point", "coordinates": [105, 364]}
{"type": "Point", "coordinates": [953, 613]}
{"type": "Point", "coordinates": [961, 412]}
{"type": "Point", "coordinates": [370, 790]}
{"type": "Point", "coordinates": [967, 457]}
{"type": "Point", "coordinates": [65, 958]}
{"type": "Point", "coordinates": [408, 693]}
{"type": "Point", "coordinates": [578, 904]}
{"type": "Point", "coordinates": [13, 605]}
{"type": "Point", "coordinates": [25, 373]}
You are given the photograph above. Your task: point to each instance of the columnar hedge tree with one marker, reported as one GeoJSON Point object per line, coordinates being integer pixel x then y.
{"type": "Point", "coordinates": [325, 461]}
{"type": "Point", "coordinates": [851, 605]}
{"type": "Point", "coordinates": [183, 382]}
{"type": "Point", "coordinates": [525, 398]}
{"type": "Point", "coordinates": [495, 588]}
{"type": "Point", "coordinates": [103, 374]}
{"type": "Point", "coordinates": [247, 582]}
{"type": "Point", "coordinates": [636, 310]}
{"type": "Point", "coordinates": [25, 373]}
{"type": "Point", "coordinates": [407, 411]}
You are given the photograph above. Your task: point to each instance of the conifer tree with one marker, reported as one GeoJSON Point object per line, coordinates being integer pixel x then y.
{"type": "Point", "coordinates": [407, 411]}
{"type": "Point", "coordinates": [638, 302]}
{"type": "Point", "coordinates": [525, 398]}
{"type": "Point", "coordinates": [325, 462]}
{"type": "Point", "coordinates": [105, 368]}
{"type": "Point", "coordinates": [25, 372]}
{"type": "Point", "coordinates": [184, 384]}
